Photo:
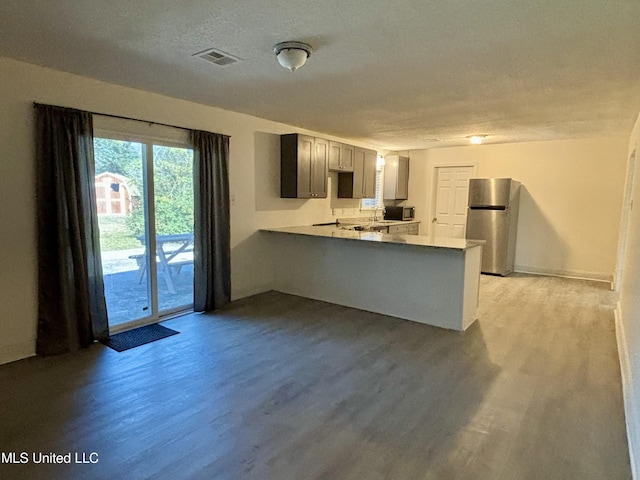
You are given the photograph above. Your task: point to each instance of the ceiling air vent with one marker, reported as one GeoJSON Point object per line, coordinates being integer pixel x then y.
{"type": "Point", "coordinates": [217, 56]}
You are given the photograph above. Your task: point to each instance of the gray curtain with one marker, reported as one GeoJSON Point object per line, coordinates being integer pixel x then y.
{"type": "Point", "coordinates": [212, 232]}
{"type": "Point", "coordinates": [71, 305]}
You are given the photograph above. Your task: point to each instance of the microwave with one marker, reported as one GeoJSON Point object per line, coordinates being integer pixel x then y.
{"type": "Point", "coordinates": [399, 213]}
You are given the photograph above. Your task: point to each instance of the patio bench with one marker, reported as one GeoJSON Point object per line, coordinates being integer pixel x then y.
{"type": "Point", "coordinates": [141, 261]}
{"type": "Point", "coordinates": [179, 264]}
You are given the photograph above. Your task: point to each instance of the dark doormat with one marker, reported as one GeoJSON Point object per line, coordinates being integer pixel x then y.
{"type": "Point", "coordinates": [138, 336]}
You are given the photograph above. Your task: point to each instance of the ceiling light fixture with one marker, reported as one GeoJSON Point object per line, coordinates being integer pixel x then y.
{"type": "Point", "coordinates": [292, 55]}
{"type": "Point", "coordinates": [476, 139]}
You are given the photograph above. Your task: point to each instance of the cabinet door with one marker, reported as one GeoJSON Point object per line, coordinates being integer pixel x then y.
{"type": "Point", "coordinates": [319, 166]}
{"type": "Point", "coordinates": [402, 189]}
{"type": "Point", "coordinates": [358, 172]}
{"type": "Point", "coordinates": [340, 157]}
{"type": "Point", "coordinates": [369, 181]}
{"type": "Point", "coordinates": [346, 157]}
{"type": "Point", "coordinates": [396, 178]}
{"type": "Point", "coordinates": [305, 165]}
{"type": "Point", "coordinates": [399, 229]}
{"type": "Point", "coordinates": [335, 156]}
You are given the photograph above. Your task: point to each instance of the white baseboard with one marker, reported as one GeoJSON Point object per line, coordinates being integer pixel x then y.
{"type": "Point", "coordinates": [12, 353]}
{"type": "Point", "coordinates": [577, 274]}
{"type": "Point", "coordinates": [627, 391]}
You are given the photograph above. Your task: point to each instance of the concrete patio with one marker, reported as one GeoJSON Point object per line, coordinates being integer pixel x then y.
{"type": "Point", "coordinates": [128, 300]}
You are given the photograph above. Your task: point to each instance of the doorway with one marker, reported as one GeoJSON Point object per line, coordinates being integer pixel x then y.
{"type": "Point", "coordinates": [450, 199]}
{"type": "Point", "coordinates": [144, 197]}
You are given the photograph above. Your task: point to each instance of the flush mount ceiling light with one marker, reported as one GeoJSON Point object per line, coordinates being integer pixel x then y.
{"type": "Point", "coordinates": [292, 55]}
{"type": "Point", "coordinates": [476, 139]}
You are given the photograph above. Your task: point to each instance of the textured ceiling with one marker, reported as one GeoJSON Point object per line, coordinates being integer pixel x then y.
{"type": "Point", "coordinates": [397, 74]}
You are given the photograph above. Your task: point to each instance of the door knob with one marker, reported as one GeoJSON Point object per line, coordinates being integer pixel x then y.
{"type": "Point", "coordinates": [434, 220]}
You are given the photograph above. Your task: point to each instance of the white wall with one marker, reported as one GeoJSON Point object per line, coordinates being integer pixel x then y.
{"type": "Point", "coordinates": [628, 314]}
{"type": "Point", "coordinates": [254, 182]}
{"type": "Point", "coordinates": [570, 204]}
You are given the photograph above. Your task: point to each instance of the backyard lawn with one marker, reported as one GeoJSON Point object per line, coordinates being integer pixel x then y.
{"type": "Point", "coordinates": [115, 235]}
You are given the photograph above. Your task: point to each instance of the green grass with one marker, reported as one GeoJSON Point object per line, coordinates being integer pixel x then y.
{"type": "Point", "coordinates": [115, 235]}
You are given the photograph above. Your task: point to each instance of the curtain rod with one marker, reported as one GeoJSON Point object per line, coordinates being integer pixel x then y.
{"type": "Point", "coordinates": [35, 104]}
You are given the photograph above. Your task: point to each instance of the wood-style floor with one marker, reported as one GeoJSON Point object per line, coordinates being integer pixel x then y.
{"type": "Point", "coordinates": [281, 387]}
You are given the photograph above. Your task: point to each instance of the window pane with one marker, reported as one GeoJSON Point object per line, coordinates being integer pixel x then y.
{"type": "Point", "coordinates": [121, 218]}
{"type": "Point", "coordinates": [173, 194]}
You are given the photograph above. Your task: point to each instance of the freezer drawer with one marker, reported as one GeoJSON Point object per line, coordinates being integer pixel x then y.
{"type": "Point", "coordinates": [492, 226]}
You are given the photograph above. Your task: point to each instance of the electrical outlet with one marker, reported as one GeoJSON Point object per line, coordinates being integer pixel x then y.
{"type": "Point", "coordinates": [232, 199]}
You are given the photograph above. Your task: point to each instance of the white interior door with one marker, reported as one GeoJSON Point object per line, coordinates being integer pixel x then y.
{"type": "Point", "coordinates": [452, 192]}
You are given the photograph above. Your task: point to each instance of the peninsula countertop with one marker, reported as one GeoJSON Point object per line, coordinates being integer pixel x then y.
{"type": "Point", "coordinates": [332, 231]}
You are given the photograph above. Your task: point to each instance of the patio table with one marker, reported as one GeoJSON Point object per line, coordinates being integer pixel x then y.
{"type": "Point", "coordinates": [184, 242]}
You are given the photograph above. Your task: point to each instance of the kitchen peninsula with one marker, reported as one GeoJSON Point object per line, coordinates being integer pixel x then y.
{"type": "Point", "coordinates": [428, 280]}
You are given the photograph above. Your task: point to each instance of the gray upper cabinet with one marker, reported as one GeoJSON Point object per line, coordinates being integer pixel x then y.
{"type": "Point", "coordinates": [341, 157]}
{"type": "Point", "coordinates": [361, 183]}
{"type": "Point", "coordinates": [396, 177]}
{"type": "Point", "coordinates": [304, 162]}
{"type": "Point", "coordinates": [369, 174]}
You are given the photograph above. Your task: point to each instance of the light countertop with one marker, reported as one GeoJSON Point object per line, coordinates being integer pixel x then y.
{"type": "Point", "coordinates": [331, 231]}
{"type": "Point", "coordinates": [364, 221]}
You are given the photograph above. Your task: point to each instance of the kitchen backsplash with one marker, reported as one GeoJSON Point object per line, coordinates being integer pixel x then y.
{"type": "Point", "coordinates": [352, 212]}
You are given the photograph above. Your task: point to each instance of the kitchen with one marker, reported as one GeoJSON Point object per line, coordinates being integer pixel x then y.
{"type": "Point", "coordinates": [539, 249]}
{"type": "Point", "coordinates": [375, 247]}
{"type": "Point", "coordinates": [570, 201]}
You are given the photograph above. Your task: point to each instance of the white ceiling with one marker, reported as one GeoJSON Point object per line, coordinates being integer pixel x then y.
{"type": "Point", "coordinates": [397, 74]}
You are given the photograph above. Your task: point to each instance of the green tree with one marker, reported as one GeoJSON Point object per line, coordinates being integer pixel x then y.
{"type": "Point", "coordinates": [173, 191]}
{"type": "Point", "coordinates": [116, 156]}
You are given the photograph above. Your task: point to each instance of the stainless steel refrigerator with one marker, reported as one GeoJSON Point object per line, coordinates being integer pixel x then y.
{"type": "Point", "coordinates": [493, 217]}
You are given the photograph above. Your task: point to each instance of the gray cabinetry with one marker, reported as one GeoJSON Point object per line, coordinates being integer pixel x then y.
{"type": "Point", "coordinates": [396, 177]}
{"type": "Point", "coordinates": [341, 157]}
{"type": "Point", "coordinates": [369, 174]}
{"type": "Point", "coordinates": [361, 183]}
{"type": "Point", "coordinates": [303, 166]}
{"type": "Point", "coordinates": [407, 229]}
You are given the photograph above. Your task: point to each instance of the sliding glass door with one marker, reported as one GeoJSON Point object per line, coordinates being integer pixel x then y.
{"type": "Point", "coordinates": [144, 192]}
{"type": "Point", "coordinates": [173, 208]}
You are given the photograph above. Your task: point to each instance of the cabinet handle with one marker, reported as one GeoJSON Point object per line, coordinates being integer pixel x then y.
{"type": "Point", "coordinates": [434, 220]}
